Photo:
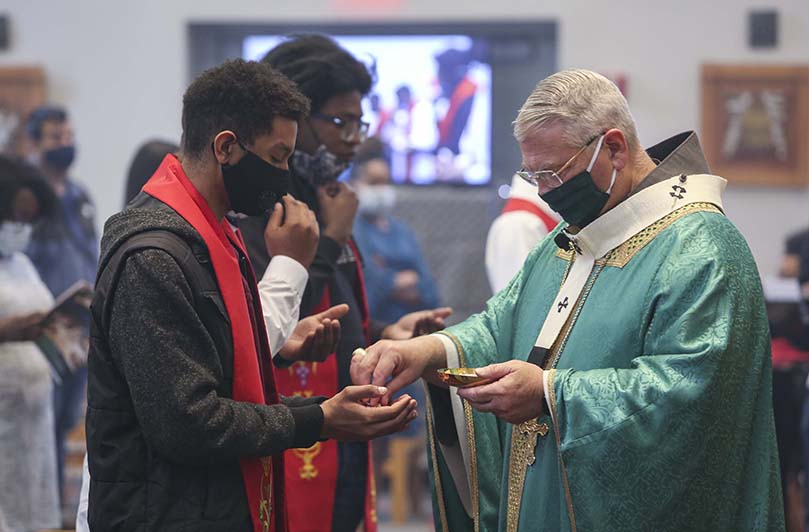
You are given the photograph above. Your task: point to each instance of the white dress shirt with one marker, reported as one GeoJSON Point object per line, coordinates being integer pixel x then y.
{"type": "Point", "coordinates": [280, 290]}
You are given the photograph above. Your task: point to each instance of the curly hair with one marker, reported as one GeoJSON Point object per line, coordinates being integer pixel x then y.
{"type": "Point", "coordinates": [16, 175]}
{"type": "Point", "coordinates": [241, 96]}
{"type": "Point", "coordinates": [319, 67]}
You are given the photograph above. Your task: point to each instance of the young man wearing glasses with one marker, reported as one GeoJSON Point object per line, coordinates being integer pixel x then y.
{"type": "Point", "coordinates": [627, 364]}
{"type": "Point", "coordinates": [330, 485]}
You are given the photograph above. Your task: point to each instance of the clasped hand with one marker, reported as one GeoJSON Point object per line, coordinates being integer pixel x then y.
{"type": "Point", "coordinates": [516, 395]}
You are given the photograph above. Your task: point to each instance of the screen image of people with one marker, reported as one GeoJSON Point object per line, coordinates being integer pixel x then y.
{"type": "Point", "coordinates": [431, 103]}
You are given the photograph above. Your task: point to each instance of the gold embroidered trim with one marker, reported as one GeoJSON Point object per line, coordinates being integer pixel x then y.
{"type": "Point", "coordinates": [473, 458]}
{"type": "Point", "coordinates": [470, 435]}
{"type": "Point", "coordinates": [524, 439]}
{"type": "Point", "coordinates": [439, 490]}
{"type": "Point", "coordinates": [566, 483]}
{"type": "Point", "coordinates": [265, 509]}
{"type": "Point", "coordinates": [621, 255]}
{"type": "Point", "coordinates": [552, 392]}
{"type": "Point", "coordinates": [566, 254]}
{"type": "Point", "coordinates": [516, 484]}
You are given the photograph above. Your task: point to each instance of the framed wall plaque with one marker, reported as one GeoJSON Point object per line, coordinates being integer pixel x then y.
{"type": "Point", "coordinates": [22, 89]}
{"type": "Point", "coordinates": [755, 123]}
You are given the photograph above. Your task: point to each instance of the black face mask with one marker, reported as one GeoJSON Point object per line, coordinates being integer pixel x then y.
{"type": "Point", "coordinates": [253, 185]}
{"type": "Point", "coordinates": [578, 200]}
{"type": "Point", "coordinates": [60, 158]}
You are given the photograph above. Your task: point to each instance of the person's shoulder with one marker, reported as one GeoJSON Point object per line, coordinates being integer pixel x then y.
{"type": "Point", "coordinates": [79, 189]}
{"type": "Point", "coordinates": [150, 270]}
{"type": "Point", "coordinates": [155, 216]}
{"type": "Point", "coordinates": [401, 226]}
{"type": "Point", "coordinates": [707, 236]}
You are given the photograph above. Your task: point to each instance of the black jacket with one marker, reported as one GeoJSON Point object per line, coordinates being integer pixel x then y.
{"type": "Point", "coordinates": [164, 437]}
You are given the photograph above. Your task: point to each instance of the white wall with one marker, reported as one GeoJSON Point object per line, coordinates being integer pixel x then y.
{"type": "Point", "coordinates": [121, 67]}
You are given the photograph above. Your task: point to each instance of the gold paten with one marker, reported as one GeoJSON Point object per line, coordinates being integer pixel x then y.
{"type": "Point", "coordinates": [461, 377]}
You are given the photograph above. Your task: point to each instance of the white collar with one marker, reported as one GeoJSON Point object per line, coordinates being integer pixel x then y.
{"type": "Point", "coordinates": [614, 228]}
{"type": "Point", "coordinates": [640, 210]}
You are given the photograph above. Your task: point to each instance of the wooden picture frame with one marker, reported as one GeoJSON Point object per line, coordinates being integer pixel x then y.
{"type": "Point", "coordinates": [755, 123]}
{"type": "Point", "coordinates": [22, 89]}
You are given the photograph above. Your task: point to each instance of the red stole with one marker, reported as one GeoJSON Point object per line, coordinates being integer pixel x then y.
{"type": "Point", "coordinates": [263, 477]}
{"type": "Point", "coordinates": [463, 92]}
{"type": "Point", "coordinates": [519, 204]}
{"type": "Point", "coordinates": [311, 474]}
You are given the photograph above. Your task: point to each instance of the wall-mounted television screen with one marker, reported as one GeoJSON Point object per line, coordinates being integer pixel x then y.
{"type": "Point", "coordinates": [431, 103]}
{"type": "Point", "coordinates": [445, 94]}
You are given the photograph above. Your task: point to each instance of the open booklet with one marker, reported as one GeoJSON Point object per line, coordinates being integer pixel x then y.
{"type": "Point", "coordinates": [64, 341]}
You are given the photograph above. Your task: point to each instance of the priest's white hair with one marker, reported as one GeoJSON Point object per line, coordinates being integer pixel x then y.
{"type": "Point", "coordinates": [585, 103]}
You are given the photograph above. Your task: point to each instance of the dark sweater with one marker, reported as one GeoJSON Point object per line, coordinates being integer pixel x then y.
{"type": "Point", "coordinates": [164, 435]}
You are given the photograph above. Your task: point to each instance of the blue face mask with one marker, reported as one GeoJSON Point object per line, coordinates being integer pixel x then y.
{"type": "Point", "coordinates": [578, 200]}
{"type": "Point", "coordinates": [14, 237]}
{"type": "Point", "coordinates": [60, 158]}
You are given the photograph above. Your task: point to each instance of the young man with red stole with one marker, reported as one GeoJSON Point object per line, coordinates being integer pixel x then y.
{"type": "Point", "coordinates": [186, 429]}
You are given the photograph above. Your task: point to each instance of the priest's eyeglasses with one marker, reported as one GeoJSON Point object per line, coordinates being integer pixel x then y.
{"type": "Point", "coordinates": [551, 179]}
{"type": "Point", "coordinates": [350, 128]}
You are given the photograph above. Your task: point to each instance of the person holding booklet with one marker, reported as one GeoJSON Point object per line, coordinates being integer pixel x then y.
{"type": "Point", "coordinates": [28, 481]}
{"type": "Point", "coordinates": [64, 248]}
{"type": "Point", "coordinates": [64, 339]}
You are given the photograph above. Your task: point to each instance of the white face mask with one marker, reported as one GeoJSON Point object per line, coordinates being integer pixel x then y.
{"type": "Point", "coordinates": [14, 237]}
{"type": "Point", "coordinates": [376, 200]}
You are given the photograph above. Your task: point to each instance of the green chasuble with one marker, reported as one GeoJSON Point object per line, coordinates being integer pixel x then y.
{"type": "Point", "coordinates": [659, 382]}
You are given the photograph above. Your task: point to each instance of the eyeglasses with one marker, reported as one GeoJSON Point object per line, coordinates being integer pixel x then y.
{"type": "Point", "coordinates": [548, 178]}
{"type": "Point", "coordinates": [350, 128]}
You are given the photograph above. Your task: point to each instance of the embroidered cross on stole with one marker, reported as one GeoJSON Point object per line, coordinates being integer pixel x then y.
{"type": "Point", "coordinates": [524, 439]}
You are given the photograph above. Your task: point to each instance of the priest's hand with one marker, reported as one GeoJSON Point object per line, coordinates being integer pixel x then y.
{"type": "Point", "coordinates": [515, 396]}
{"type": "Point", "coordinates": [397, 364]}
{"type": "Point", "coordinates": [297, 236]}
{"type": "Point", "coordinates": [346, 417]}
{"type": "Point", "coordinates": [315, 337]}
{"type": "Point", "coordinates": [417, 324]}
